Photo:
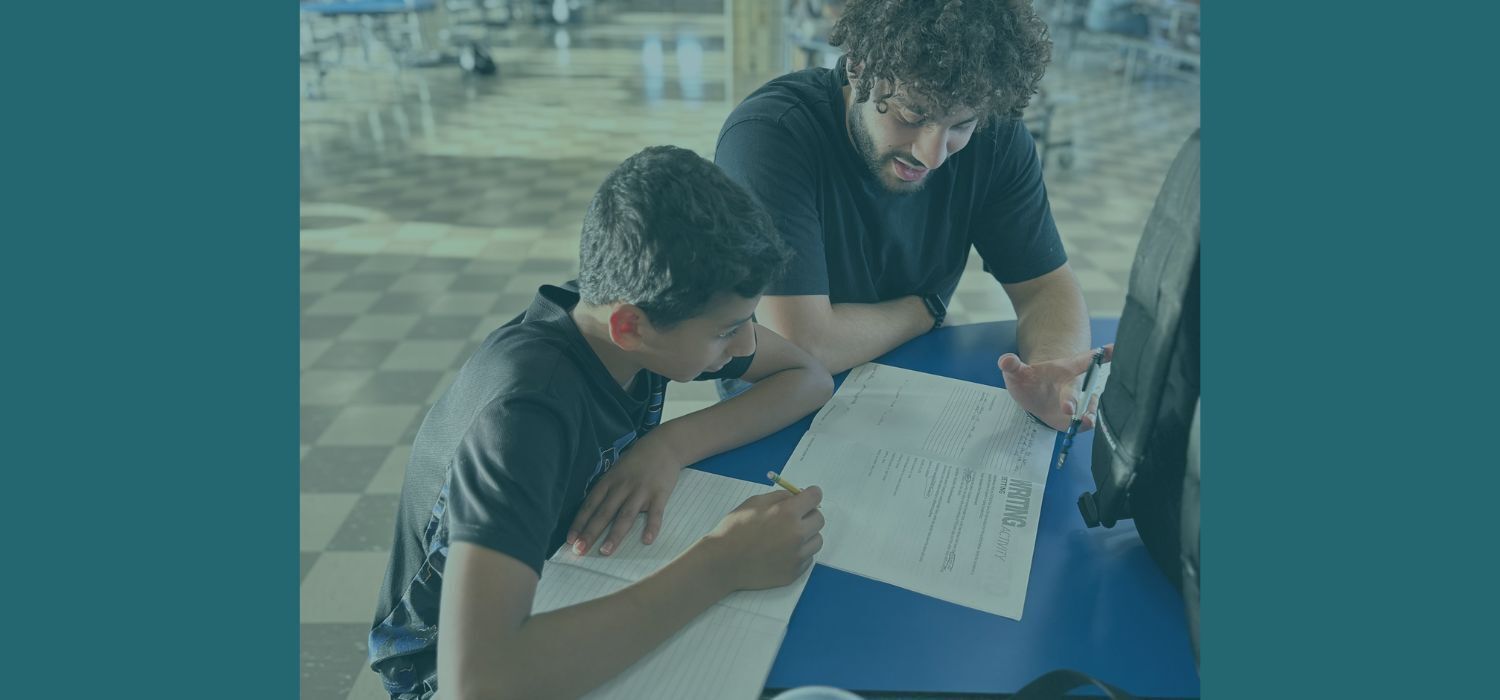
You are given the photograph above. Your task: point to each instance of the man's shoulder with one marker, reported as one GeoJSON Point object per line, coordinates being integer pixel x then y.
{"type": "Point", "coordinates": [794, 101]}
{"type": "Point", "coordinates": [1002, 140]}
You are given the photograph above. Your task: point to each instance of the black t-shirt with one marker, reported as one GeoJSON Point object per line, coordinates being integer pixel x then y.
{"type": "Point", "coordinates": [503, 460]}
{"type": "Point", "coordinates": [858, 243]}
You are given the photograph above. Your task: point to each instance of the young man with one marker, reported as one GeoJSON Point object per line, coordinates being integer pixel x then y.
{"type": "Point", "coordinates": [883, 172]}
{"type": "Point", "coordinates": [561, 407]}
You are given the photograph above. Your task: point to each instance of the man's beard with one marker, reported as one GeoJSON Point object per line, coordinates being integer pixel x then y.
{"type": "Point", "coordinates": [878, 165]}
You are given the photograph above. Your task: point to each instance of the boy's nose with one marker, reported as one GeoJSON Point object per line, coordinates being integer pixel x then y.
{"type": "Point", "coordinates": [744, 343]}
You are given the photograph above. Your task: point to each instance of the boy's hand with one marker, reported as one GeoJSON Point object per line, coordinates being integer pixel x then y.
{"type": "Point", "coordinates": [770, 539]}
{"type": "Point", "coordinates": [642, 480]}
{"type": "Point", "coordinates": [1049, 390]}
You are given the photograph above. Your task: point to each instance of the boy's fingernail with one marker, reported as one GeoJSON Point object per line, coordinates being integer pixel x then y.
{"type": "Point", "coordinates": [606, 549]}
{"type": "Point", "coordinates": [649, 537]}
{"type": "Point", "coordinates": [578, 548]}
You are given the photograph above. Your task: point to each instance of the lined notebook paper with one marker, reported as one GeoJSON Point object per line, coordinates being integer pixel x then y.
{"type": "Point", "coordinates": [727, 651]}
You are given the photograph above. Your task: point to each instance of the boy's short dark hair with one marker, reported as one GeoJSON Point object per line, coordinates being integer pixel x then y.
{"type": "Point", "coordinates": [668, 230]}
{"type": "Point", "coordinates": [987, 55]}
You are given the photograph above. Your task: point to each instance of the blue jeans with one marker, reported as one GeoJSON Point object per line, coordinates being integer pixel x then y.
{"type": "Point", "coordinates": [424, 694]}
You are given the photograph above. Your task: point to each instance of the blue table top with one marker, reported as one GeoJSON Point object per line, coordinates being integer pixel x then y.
{"type": "Point", "coordinates": [1096, 602]}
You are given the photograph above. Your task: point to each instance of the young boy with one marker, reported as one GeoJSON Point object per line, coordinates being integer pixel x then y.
{"type": "Point", "coordinates": [549, 434]}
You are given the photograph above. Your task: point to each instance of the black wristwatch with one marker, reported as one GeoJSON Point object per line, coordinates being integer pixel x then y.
{"type": "Point", "coordinates": [936, 307]}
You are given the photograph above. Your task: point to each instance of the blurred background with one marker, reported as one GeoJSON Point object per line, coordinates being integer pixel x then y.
{"type": "Point", "coordinates": [450, 147]}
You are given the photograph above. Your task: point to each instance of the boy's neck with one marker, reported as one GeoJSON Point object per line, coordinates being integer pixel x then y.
{"type": "Point", "coordinates": [595, 330]}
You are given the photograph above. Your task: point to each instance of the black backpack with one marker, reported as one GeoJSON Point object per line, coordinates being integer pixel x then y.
{"type": "Point", "coordinates": [1149, 409]}
{"type": "Point", "coordinates": [1146, 451]}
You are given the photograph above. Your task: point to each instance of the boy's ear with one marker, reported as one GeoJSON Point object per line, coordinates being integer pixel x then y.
{"type": "Point", "coordinates": [853, 70]}
{"type": "Point", "coordinates": [627, 324]}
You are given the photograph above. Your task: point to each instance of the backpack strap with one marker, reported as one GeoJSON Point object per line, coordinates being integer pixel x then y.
{"type": "Point", "coordinates": [1191, 537]}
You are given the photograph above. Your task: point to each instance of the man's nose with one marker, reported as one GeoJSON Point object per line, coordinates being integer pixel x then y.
{"type": "Point", "coordinates": [931, 148]}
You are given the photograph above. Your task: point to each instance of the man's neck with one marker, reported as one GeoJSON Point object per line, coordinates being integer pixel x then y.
{"type": "Point", "coordinates": [622, 368]}
{"type": "Point", "coordinates": [848, 91]}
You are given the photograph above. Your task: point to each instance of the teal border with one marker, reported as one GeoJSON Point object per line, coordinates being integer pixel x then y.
{"type": "Point", "coordinates": [1349, 232]}
{"type": "Point", "coordinates": [151, 282]}
{"type": "Point", "coordinates": [151, 293]}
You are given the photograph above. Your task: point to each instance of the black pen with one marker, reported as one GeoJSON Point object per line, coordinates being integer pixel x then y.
{"type": "Point", "coordinates": [1088, 382]}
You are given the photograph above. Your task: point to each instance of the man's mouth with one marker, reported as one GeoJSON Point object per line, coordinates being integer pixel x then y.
{"type": "Point", "coordinates": [906, 172]}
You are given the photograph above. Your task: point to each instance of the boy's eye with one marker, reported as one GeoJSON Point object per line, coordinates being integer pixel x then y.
{"type": "Point", "coordinates": [730, 333]}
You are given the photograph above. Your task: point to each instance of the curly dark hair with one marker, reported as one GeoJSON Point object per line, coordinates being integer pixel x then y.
{"type": "Point", "coordinates": [987, 55]}
{"type": "Point", "coordinates": [667, 230]}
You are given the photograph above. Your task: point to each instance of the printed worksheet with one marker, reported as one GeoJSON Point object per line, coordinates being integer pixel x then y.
{"type": "Point", "coordinates": [727, 651]}
{"type": "Point", "coordinates": [971, 425]}
{"type": "Point", "coordinates": [930, 483]}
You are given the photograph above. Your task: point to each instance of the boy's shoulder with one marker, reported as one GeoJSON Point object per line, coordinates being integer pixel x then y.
{"type": "Point", "coordinates": [538, 352]}
{"type": "Point", "coordinates": [539, 357]}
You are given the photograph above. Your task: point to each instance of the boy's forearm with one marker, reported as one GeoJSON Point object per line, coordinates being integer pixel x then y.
{"type": "Point", "coordinates": [768, 405]}
{"type": "Point", "coordinates": [569, 651]}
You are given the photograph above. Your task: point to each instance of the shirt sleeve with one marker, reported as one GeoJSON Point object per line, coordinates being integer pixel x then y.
{"type": "Point", "coordinates": [509, 478]}
{"type": "Point", "coordinates": [1014, 232]}
{"type": "Point", "coordinates": [763, 157]}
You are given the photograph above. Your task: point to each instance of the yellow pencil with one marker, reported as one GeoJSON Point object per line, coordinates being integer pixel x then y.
{"type": "Point", "coordinates": [783, 483]}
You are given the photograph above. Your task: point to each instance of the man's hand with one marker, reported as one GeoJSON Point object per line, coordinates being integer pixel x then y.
{"type": "Point", "coordinates": [1049, 390]}
{"type": "Point", "coordinates": [642, 480]}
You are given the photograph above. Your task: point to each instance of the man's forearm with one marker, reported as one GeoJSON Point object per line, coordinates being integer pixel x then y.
{"type": "Point", "coordinates": [570, 651]}
{"type": "Point", "coordinates": [1052, 323]}
{"type": "Point", "coordinates": [858, 333]}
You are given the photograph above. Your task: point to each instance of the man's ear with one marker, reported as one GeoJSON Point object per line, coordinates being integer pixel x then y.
{"type": "Point", "coordinates": [627, 325]}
